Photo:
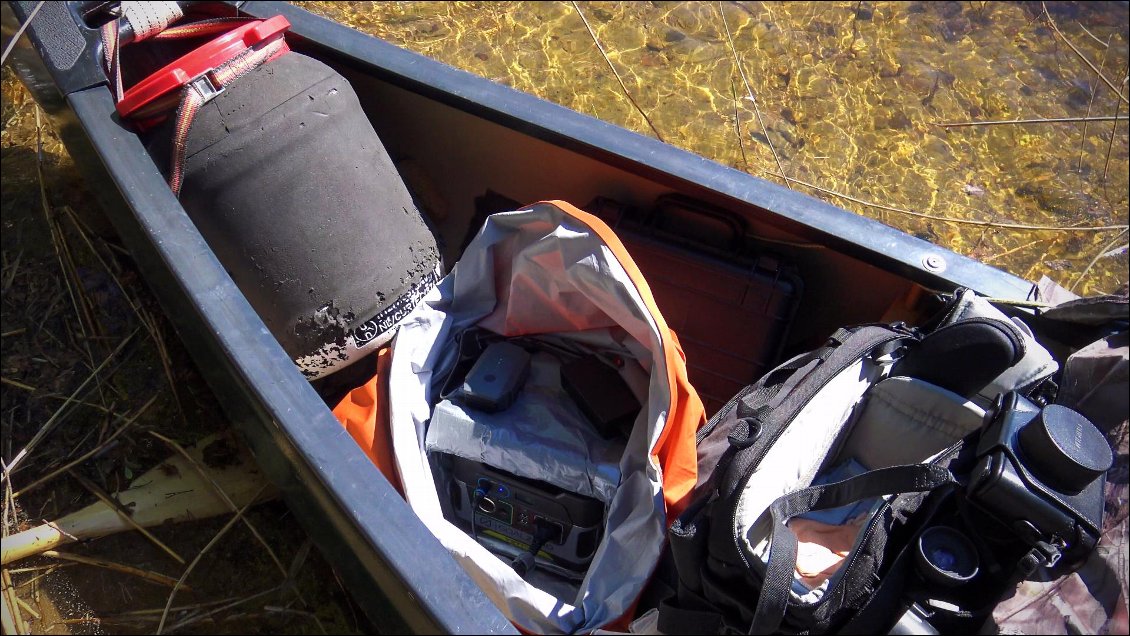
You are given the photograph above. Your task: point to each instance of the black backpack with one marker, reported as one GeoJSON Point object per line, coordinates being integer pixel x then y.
{"type": "Point", "coordinates": [952, 512]}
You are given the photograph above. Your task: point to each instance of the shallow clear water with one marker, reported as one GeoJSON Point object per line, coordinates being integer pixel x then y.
{"type": "Point", "coordinates": [851, 95]}
{"type": "Point", "coordinates": [849, 101]}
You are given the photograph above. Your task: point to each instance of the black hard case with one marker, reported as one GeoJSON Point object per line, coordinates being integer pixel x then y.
{"type": "Point", "coordinates": [729, 301]}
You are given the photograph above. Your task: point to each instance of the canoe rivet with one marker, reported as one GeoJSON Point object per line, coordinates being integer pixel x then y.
{"type": "Point", "coordinates": [934, 263]}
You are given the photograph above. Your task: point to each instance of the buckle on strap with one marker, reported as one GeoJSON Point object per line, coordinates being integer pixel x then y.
{"type": "Point", "coordinates": [1042, 553]}
{"type": "Point", "coordinates": [207, 86]}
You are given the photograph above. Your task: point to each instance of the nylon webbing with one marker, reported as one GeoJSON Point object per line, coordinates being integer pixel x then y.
{"type": "Point", "coordinates": [192, 99]}
{"type": "Point", "coordinates": [201, 28]}
{"type": "Point", "coordinates": [856, 345]}
{"type": "Point", "coordinates": [111, 59]}
{"type": "Point", "coordinates": [147, 19]}
{"type": "Point", "coordinates": [774, 597]}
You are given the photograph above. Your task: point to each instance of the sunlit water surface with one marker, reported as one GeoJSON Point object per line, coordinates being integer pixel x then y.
{"type": "Point", "coordinates": [851, 95]}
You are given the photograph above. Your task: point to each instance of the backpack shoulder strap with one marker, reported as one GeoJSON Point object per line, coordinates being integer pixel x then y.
{"type": "Point", "coordinates": [760, 424]}
{"type": "Point", "coordinates": [737, 431]}
{"type": "Point", "coordinates": [772, 602]}
{"type": "Point", "coordinates": [1034, 367]}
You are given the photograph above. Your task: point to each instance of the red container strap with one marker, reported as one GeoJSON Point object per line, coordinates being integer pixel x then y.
{"type": "Point", "coordinates": [201, 90]}
{"type": "Point", "coordinates": [111, 40]}
{"type": "Point", "coordinates": [201, 28]}
{"type": "Point", "coordinates": [196, 78]}
{"type": "Point", "coordinates": [201, 62]}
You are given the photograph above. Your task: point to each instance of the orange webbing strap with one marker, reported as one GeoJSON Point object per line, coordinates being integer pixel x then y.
{"type": "Point", "coordinates": [111, 42]}
{"type": "Point", "coordinates": [197, 93]}
{"type": "Point", "coordinates": [110, 58]}
{"type": "Point", "coordinates": [364, 414]}
{"type": "Point", "coordinates": [201, 28]}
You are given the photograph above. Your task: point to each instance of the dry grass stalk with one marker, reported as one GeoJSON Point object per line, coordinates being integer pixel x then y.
{"type": "Point", "coordinates": [121, 429]}
{"type": "Point", "coordinates": [13, 619]}
{"type": "Point", "coordinates": [28, 608]}
{"type": "Point", "coordinates": [1063, 37]}
{"type": "Point", "coordinates": [170, 492]}
{"type": "Point", "coordinates": [48, 571]}
{"type": "Point", "coordinates": [142, 617]}
{"type": "Point", "coordinates": [226, 605]}
{"type": "Point", "coordinates": [12, 269]}
{"type": "Point", "coordinates": [191, 566]}
{"type": "Point", "coordinates": [109, 410]}
{"type": "Point", "coordinates": [989, 259]}
{"type": "Point", "coordinates": [147, 320]}
{"type": "Point", "coordinates": [10, 617]}
{"type": "Point", "coordinates": [19, 33]}
{"type": "Point", "coordinates": [7, 619]}
{"type": "Point", "coordinates": [89, 431]}
{"type": "Point", "coordinates": [738, 124]}
{"type": "Point", "coordinates": [152, 614]}
{"type": "Point", "coordinates": [752, 97]}
{"type": "Point", "coordinates": [291, 582]}
{"type": "Point", "coordinates": [1086, 270]}
{"type": "Point", "coordinates": [47, 315]}
{"type": "Point", "coordinates": [1046, 120]}
{"type": "Point", "coordinates": [9, 518]}
{"type": "Point", "coordinates": [80, 302]}
{"type": "Point", "coordinates": [1113, 132]}
{"type": "Point", "coordinates": [1105, 45]}
{"type": "Point", "coordinates": [49, 567]}
{"type": "Point", "coordinates": [294, 612]}
{"type": "Point", "coordinates": [950, 219]}
{"type": "Point", "coordinates": [1090, 104]}
{"type": "Point", "coordinates": [219, 491]}
{"type": "Point", "coordinates": [148, 575]}
{"type": "Point", "coordinates": [56, 416]}
{"type": "Point", "coordinates": [608, 61]}
{"type": "Point", "coordinates": [154, 328]}
{"type": "Point", "coordinates": [18, 384]}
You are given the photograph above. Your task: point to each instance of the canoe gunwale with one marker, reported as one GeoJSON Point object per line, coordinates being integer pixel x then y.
{"type": "Point", "coordinates": [858, 236]}
{"type": "Point", "coordinates": [396, 570]}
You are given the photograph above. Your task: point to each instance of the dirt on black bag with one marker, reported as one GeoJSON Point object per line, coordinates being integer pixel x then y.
{"type": "Point", "coordinates": [894, 478]}
{"type": "Point", "coordinates": [279, 168]}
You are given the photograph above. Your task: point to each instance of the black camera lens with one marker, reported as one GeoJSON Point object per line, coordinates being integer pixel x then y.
{"type": "Point", "coordinates": [946, 557]}
{"type": "Point", "coordinates": [1064, 449]}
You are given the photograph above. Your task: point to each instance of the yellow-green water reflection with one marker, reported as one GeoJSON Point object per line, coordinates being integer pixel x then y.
{"type": "Point", "coordinates": [851, 94]}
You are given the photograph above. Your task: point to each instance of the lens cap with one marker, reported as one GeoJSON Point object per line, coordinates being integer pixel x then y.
{"type": "Point", "coordinates": [946, 557]}
{"type": "Point", "coordinates": [1064, 449]}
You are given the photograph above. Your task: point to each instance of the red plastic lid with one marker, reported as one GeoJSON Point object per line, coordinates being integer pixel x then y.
{"type": "Point", "coordinates": [205, 58]}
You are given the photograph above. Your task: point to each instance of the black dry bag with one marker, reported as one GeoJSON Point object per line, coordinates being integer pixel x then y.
{"type": "Point", "coordinates": [281, 171]}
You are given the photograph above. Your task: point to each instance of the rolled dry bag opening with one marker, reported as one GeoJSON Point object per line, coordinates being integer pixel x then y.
{"type": "Point", "coordinates": [288, 182]}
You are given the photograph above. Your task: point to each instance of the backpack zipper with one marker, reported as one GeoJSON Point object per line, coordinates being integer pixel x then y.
{"type": "Point", "coordinates": [898, 331]}
{"type": "Point", "coordinates": [871, 525]}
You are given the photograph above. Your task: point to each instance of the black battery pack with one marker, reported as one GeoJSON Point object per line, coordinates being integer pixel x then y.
{"type": "Point", "coordinates": [496, 377]}
{"type": "Point", "coordinates": [601, 394]}
{"type": "Point", "coordinates": [507, 509]}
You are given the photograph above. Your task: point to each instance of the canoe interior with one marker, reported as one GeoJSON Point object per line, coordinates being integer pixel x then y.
{"type": "Point", "coordinates": [464, 155]}
{"type": "Point", "coordinates": [463, 150]}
